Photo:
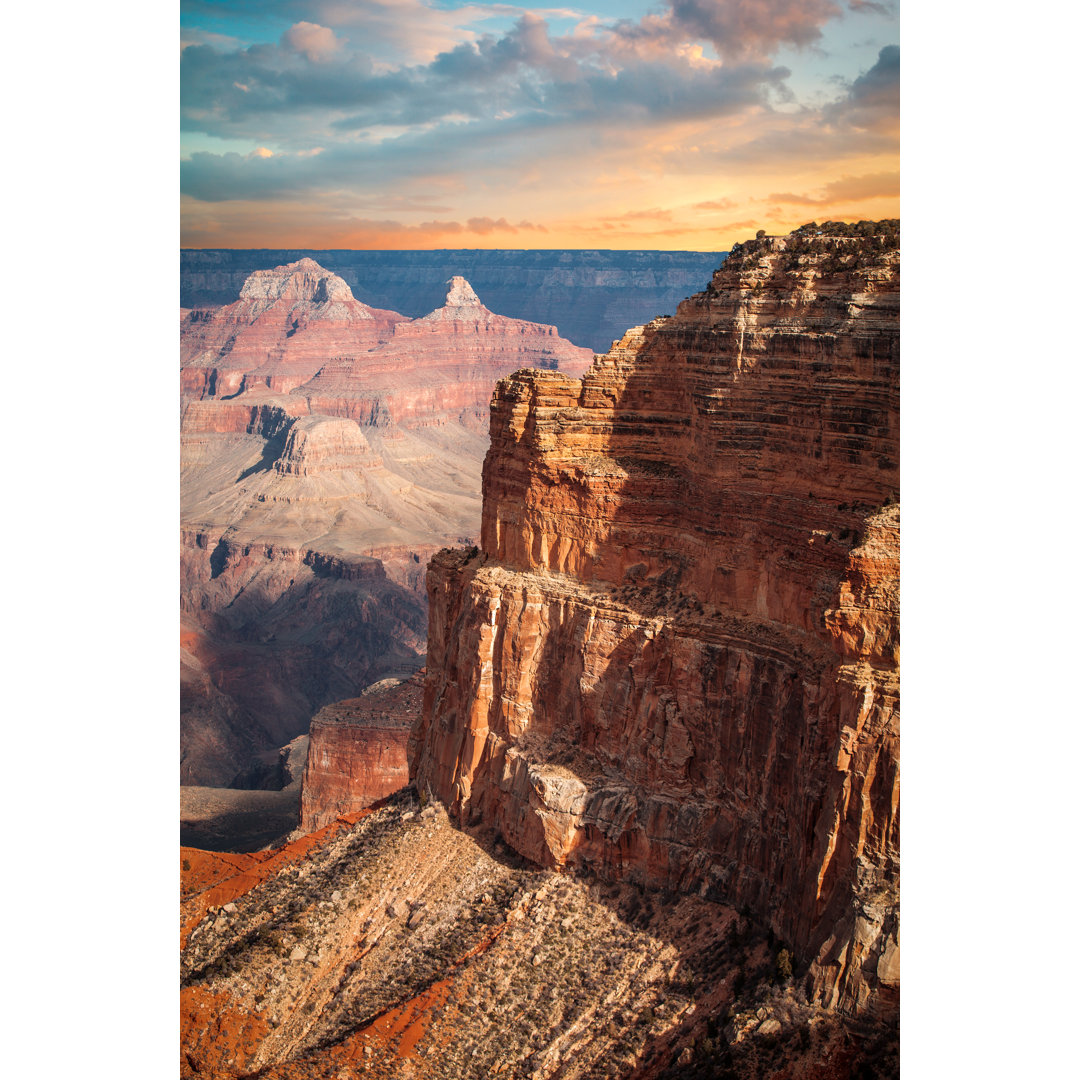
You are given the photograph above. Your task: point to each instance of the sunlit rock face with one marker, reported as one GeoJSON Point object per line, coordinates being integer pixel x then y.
{"type": "Point", "coordinates": [299, 322]}
{"type": "Point", "coordinates": [285, 324]}
{"type": "Point", "coordinates": [675, 656]}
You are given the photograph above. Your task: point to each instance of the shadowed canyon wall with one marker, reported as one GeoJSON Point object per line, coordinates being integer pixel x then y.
{"type": "Point", "coordinates": [675, 656]}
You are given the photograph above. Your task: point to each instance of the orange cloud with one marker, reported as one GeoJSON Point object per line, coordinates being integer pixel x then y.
{"type": "Point", "coordinates": [847, 189]}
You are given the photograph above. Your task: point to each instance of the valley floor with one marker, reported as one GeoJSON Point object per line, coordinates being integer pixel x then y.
{"type": "Point", "coordinates": [225, 819]}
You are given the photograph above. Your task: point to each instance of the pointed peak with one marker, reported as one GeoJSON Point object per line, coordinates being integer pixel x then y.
{"type": "Point", "coordinates": [461, 294]}
{"type": "Point", "coordinates": [461, 305]}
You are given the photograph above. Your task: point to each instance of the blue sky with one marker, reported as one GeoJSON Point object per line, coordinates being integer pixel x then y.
{"type": "Point", "coordinates": [425, 123]}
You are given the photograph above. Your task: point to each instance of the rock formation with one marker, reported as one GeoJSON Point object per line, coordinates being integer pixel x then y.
{"type": "Point", "coordinates": [269, 634]}
{"type": "Point", "coordinates": [328, 449]}
{"type": "Point", "coordinates": [439, 367]}
{"type": "Point", "coordinates": [291, 322]}
{"type": "Point", "coordinates": [674, 659]}
{"type": "Point", "coordinates": [285, 324]}
{"type": "Point", "coordinates": [357, 751]}
{"type": "Point", "coordinates": [592, 296]}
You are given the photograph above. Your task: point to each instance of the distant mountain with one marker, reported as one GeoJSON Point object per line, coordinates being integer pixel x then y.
{"type": "Point", "coordinates": [591, 296]}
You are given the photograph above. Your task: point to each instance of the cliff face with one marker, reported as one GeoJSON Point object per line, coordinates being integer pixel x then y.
{"type": "Point", "coordinates": [269, 635]}
{"type": "Point", "coordinates": [299, 322]}
{"type": "Point", "coordinates": [278, 333]}
{"type": "Point", "coordinates": [357, 751]}
{"type": "Point", "coordinates": [676, 656]}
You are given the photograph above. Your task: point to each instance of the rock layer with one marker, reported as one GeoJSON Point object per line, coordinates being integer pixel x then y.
{"type": "Point", "coordinates": [278, 333]}
{"type": "Point", "coordinates": [675, 658]}
{"type": "Point", "coordinates": [270, 634]}
{"type": "Point", "coordinates": [390, 944]}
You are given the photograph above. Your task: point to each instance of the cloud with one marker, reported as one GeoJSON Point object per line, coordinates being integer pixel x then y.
{"type": "Point", "coordinates": [872, 101]}
{"type": "Point", "coordinates": [317, 43]}
{"type": "Point", "coordinates": [396, 31]}
{"type": "Point", "coordinates": [309, 89]}
{"type": "Point", "coordinates": [736, 28]}
{"type": "Point", "coordinates": [868, 6]}
{"type": "Point", "coordinates": [319, 225]}
{"type": "Point", "coordinates": [499, 131]}
{"type": "Point", "coordinates": [485, 225]}
{"type": "Point", "coordinates": [194, 35]}
{"type": "Point", "coordinates": [847, 189]}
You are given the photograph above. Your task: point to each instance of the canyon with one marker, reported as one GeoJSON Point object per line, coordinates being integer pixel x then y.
{"type": "Point", "coordinates": [651, 821]}
{"type": "Point", "coordinates": [592, 296]}
{"type": "Point", "coordinates": [328, 449]}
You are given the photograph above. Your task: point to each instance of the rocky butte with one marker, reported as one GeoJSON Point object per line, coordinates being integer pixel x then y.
{"type": "Point", "coordinates": [357, 752]}
{"type": "Point", "coordinates": [674, 658]}
{"type": "Point", "coordinates": [328, 449]}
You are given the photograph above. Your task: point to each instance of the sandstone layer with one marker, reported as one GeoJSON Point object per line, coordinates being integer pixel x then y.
{"type": "Point", "coordinates": [270, 634]}
{"type": "Point", "coordinates": [325, 456]}
{"type": "Point", "coordinates": [277, 334]}
{"type": "Point", "coordinates": [675, 657]}
{"type": "Point", "coordinates": [357, 751]}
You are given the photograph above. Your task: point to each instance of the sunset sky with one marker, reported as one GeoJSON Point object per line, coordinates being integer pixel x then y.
{"type": "Point", "coordinates": [613, 124]}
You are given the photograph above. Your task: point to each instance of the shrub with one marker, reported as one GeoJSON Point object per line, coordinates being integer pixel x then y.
{"type": "Point", "coordinates": [783, 965]}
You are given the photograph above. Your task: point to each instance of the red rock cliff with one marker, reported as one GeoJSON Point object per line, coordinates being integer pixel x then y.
{"type": "Point", "coordinates": [357, 751]}
{"type": "Point", "coordinates": [675, 658]}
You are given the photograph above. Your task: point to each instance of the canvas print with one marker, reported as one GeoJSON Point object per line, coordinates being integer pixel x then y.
{"type": "Point", "coordinates": [540, 532]}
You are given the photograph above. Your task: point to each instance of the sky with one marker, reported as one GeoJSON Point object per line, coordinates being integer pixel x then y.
{"type": "Point", "coordinates": [684, 125]}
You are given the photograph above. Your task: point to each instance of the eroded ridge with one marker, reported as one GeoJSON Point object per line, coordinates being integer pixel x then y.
{"type": "Point", "coordinates": [395, 945]}
{"type": "Point", "coordinates": [323, 439]}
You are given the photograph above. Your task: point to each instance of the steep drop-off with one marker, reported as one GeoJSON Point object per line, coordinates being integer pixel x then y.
{"type": "Point", "coordinates": [328, 449]}
{"type": "Point", "coordinates": [675, 657]}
